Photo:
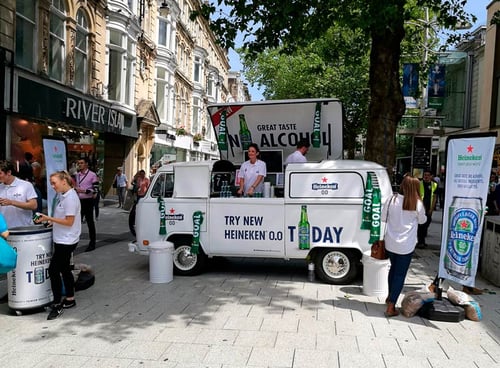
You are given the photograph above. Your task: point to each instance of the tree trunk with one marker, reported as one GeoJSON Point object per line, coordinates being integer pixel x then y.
{"type": "Point", "coordinates": [386, 99]}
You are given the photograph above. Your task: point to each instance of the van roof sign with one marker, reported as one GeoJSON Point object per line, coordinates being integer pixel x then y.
{"type": "Point", "coordinates": [278, 125]}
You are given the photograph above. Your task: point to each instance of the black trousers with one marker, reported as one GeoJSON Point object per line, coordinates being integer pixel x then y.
{"type": "Point", "coordinates": [422, 230]}
{"type": "Point", "coordinates": [88, 213]}
{"type": "Point", "coordinates": [60, 266]}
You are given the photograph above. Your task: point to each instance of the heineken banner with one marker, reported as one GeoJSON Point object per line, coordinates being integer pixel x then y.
{"type": "Point", "coordinates": [54, 150]}
{"type": "Point", "coordinates": [468, 167]}
{"type": "Point", "coordinates": [372, 209]}
{"type": "Point", "coordinates": [276, 127]}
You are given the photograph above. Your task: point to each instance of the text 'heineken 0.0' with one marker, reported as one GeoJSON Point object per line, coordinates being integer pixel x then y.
{"type": "Point", "coordinates": [463, 224]}
{"type": "Point", "coordinates": [245, 135]}
{"type": "Point", "coordinates": [304, 230]}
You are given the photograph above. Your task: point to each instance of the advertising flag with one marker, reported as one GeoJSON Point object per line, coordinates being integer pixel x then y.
{"type": "Point", "coordinates": [468, 167]}
{"type": "Point", "coordinates": [55, 160]}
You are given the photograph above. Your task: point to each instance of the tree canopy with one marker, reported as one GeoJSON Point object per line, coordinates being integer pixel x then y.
{"type": "Point", "coordinates": [296, 23]}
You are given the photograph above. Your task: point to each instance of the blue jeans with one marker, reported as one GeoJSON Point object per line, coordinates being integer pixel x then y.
{"type": "Point", "coordinates": [400, 263]}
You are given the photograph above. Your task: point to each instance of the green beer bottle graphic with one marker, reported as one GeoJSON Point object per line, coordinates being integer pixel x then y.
{"type": "Point", "coordinates": [245, 135]}
{"type": "Point", "coordinates": [304, 230]}
{"type": "Point", "coordinates": [316, 134]}
{"type": "Point", "coordinates": [222, 137]}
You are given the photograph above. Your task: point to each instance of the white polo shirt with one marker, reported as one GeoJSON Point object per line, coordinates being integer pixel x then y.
{"type": "Point", "coordinates": [249, 172]}
{"type": "Point", "coordinates": [67, 204]}
{"type": "Point", "coordinates": [21, 191]}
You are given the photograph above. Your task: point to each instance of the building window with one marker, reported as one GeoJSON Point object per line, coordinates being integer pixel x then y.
{"type": "Point", "coordinates": [25, 33]}
{"type": "Point", "coordinates": [121, 67]}
{"type": "Point", "coordinates": [81, 51]}
{"type": "Point", "coordinates": [197, 69]}
{"type": "Point", "coordinates": [163, 33]}
{"type": "Point", "coordinates": [57, 44]}
{"type": "Point", "coordinates": [162, 93]}
{"type": "Point", "coordinates": [196, 116]}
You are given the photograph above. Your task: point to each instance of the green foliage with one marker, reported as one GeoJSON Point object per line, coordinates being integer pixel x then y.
{"type": "Point", "coordinates": [335, 65]}
{"type": "Point", "coordinates": [295, 24]}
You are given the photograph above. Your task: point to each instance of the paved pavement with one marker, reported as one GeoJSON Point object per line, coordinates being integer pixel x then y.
{"type": "Point", "coordinates": [240, 313]}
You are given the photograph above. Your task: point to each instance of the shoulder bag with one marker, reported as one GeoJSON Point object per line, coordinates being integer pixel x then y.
{"type": "Point", "coordinates": [378, 248]}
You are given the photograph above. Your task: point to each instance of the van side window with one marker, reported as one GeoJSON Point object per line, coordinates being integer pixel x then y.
{"type": "Point", "coordinates": [163, 186]}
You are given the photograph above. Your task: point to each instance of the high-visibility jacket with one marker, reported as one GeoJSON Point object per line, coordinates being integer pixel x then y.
{"type": "Point", "coordinates": [433, 189]}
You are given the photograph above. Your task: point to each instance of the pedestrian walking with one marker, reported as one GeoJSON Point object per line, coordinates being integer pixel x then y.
{"type": "Point", "coordinates": [85, 179]}
{"type": "Point", "coordinates": [121, 183]}
{"type": "Point", "coordinates": [66, 230]}
{"type": "Point", "coordinates": [403, 212]}
{"type": "Point", "coordinates": [428, 195]}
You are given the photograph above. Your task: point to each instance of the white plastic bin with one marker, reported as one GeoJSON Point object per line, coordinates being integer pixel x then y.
{"type": "Point", "coordinates": [161, 264]}
{"type": "Point", "coordinates": [375, 273]}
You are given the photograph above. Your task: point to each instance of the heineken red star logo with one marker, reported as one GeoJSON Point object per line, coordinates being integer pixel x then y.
{"type": "Point", "coordinates": [324, 180]}
{"type": "Point", "coordinates": [470, 149]}
{"type": "Point", "coordinates": [464, 224]}
{"type": "Point", "coordinates": [172, 211]}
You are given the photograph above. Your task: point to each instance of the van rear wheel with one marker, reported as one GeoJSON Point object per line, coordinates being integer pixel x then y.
{"type": "Point", "coordinates": [187, 264]}
{"type": "Point", "coordinates": [336, 266]}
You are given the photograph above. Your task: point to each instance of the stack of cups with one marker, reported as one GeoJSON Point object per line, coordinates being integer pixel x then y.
{"type": "Point", "coordinates": [267, 189]}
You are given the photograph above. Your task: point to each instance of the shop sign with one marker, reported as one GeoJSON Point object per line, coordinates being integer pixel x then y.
{"type": "Point", "coordinates": [44, 102]}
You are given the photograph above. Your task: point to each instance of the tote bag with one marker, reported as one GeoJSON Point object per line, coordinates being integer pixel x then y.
{"type": "Point", "coordinates": [8, 257]}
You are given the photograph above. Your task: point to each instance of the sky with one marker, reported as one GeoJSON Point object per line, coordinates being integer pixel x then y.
{"type": "Point", "coordinates": [476, 7]}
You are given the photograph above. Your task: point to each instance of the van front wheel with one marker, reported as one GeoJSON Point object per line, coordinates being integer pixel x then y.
{"type": "Point", "coordinates": [336, 266]}
{"type": "Point", "coordinates": [187, 264]}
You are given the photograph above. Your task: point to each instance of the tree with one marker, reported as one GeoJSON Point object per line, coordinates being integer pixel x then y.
{"type": "Point", "coordinates": [321, 69]}
{"type": "Point", "coordinates": [294, 23]}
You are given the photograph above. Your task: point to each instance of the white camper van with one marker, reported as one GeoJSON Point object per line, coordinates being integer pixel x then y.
{"type": "Point", "coordinates": [190, 200]}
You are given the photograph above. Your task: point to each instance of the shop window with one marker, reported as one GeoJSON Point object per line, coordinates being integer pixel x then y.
{"type": "Point", "coordinates": [57, 44]}
{"type": "Point", "coordinates": [25, 33]}
{"type": "Point", "coordinates": [81, 51]}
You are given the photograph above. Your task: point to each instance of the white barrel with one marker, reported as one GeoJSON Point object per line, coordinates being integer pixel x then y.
{"type": "Point", "coordinates": [161, 263]}
{"type": "Point", "coordinates": [29, 284]}
{"type": "Point", "coordinates": [375, 273]}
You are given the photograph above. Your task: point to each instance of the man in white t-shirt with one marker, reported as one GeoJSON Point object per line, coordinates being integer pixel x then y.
{"type": "Point", "coordinates": [300, 154]}
{"type": "Point", "coordinates": [18, 198]}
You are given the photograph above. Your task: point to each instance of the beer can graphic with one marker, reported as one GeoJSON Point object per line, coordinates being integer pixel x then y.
{"type": "Point", "coordinates": [464, 220]}
{"type": "Point", "coordinates": [39, 275]}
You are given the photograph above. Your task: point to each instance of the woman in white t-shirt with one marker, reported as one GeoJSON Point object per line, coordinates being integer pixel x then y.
{"type": "Point", "coordinates": [66, 229]}
{"type": "Point", "coordinates": [252, 173]}
{"type": "Point", "coordinates": [403, 213]}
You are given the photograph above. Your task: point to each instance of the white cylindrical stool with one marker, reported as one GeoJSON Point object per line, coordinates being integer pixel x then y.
{"type": "Point", "coordinates": [161, 264]}
{"type": "Point", "coordinates": [375, 273]}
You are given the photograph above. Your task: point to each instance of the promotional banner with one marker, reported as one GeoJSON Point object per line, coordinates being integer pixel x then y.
{"type": "Point", "coordinates": [277, 126]}
{"type": "Point", "coordinates": [55, 160]}
{"type": "Point", "coordinates": [436, 86]}
{"type": "Point", "coordinates": [468, 168]}
{"type": "Point", "coordinates": [410, 84]}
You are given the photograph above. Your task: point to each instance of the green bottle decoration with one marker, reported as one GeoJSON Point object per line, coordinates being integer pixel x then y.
{"type": "Point", "coordinates": [316, 134]}
{"type": "Point", "coordinates": [366, 221]}
{"type": "Point", "coordinates": [161, 208]}
{"type": "Point", "coordinates": [245, 135]}
{"type": "Point", "coordinates": [197, 221]}
{"type": "Point", "coordinates": [376, 216]}
{"type": "Point", "coordinates": [222, 138]}
{"type": "Point", "coordinates": [304, 229]}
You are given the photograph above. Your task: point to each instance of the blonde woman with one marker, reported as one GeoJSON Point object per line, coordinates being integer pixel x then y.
{"type": "Point", "coordinates": [403, 212]}
{"type": "Point", "coordinates": [66, 230]}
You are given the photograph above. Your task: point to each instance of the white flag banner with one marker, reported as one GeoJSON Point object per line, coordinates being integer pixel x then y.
{"type": "Point", "coordinates": [54, 150]}
{"type": "Point", "coordinates": [468, 168]}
